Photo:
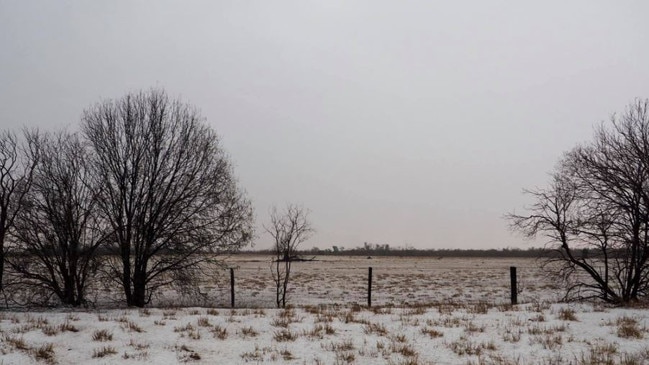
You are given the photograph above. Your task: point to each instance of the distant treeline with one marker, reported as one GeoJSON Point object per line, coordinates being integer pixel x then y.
{"type": "Point", "coordinates": [408, 252]}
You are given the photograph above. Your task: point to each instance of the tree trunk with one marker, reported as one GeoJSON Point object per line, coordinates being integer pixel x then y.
{"type": "Point", "coordinates": [139, 295]}
{"type": "Point", "coordinates": [2, 266]}
{"type": "Point", "coordinates": [2, 251]}
{"type": "Point", "coordinates": [69, 296]}
{"type": "Point", "coordinates": [139, 288]}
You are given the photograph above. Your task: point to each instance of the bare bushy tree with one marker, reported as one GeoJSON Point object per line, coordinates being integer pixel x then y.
{"type": "Point", "coordinates": [166, 190]}
{"type": "Point", "coordinates": [57, 230]}
{"type": "Point", "coordinates": [595, 212]}
{"type": "Point", "coordinates": [289, 229]}
{"type": "Point", "coordinates": [17, 163]}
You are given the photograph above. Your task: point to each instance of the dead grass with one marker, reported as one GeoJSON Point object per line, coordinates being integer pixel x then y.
{"type": "Point", "coordinates": [431, 332]}
{"type": "Point", "coordinates": [102, 335]}
{"type": "Point", "coordinates": [50, 330]}
{"type": "Point", "coordinates": [44, 353]}
{"type": "Point", "coordinates": [567, 314]}
{"type": "Point", "coordinates": [248, 332]}
{"type": "Point", "coordinates": [130, 326]}
{"type": "Point", "coordinates": [204, 322]}
{"type": "Point", "coordinates": [628, 327]}
{"type": "Point", "coordinates": [465, 346]}
{"type": "Point", "coordinates": [103, 352]}
{"type": "Point", "coordinates": [284, 335]}
{"type": "Point", "coordinates": [16, 342]}
{"type": "Point", "coordinates": [219, 332]}
{"type": "Point", "coordinates": [184, 354]}
{"type": "Point", "coordinates": [375, 328]}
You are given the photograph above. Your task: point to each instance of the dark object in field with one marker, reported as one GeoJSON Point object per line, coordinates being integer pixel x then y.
{"type": "Point", "coordinates": [295, 259]}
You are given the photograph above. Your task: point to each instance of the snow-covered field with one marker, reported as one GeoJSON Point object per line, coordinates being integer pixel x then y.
{"type": "Point", "coordinates": [426, 311]}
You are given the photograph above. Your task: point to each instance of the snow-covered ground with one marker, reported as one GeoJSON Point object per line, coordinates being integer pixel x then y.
{"type": "Point", "coordinates": [425, 312]}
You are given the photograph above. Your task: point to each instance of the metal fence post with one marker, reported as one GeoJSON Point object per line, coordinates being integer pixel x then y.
{"type": "Point", "coordinates": [369, 287]}
{"type": "Point", "coordinates": [232, 287]}
{"type": "Point", "coordinates": [514, 290]}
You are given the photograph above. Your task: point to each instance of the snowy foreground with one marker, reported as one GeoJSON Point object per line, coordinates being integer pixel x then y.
{"type": "Point", "coordinates": [439, 334]}
{"type": "Point", "coordinates": [425, 311]}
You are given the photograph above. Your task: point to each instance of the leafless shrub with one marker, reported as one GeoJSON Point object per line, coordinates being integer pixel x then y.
{"type": "Point", "coordinates": [288, 229]}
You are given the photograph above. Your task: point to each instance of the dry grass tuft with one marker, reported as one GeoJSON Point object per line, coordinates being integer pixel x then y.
{"type": "Point", "coordinates": [45, 353]}
{"type": "Point", "coordinates": [567, 314]}
{"type": "Point", "coordinates": [431, 332]}
{"type": "Point", "coordinates": [186, 354]}
{"type": "Point", "coordinates": [286, 355]}
{"type": "Point", "coordinates": [16, 342]}
{"type": "Point", "coordinates": [102, 335]}
{"type": "Point", "coordinates": [463, 346]}
{"type": "Point", "coordinates": [220, 332]}
{"type": "Point", "coordinates": [68, 327]}
{"type": "Point", "coordinates": [403, 349]}
{"type": "Point", "coordinates": [628, 327]}
{"type": "Point", "coordinates": [600, 355]}
{"type": "Point", "coordinates": [131, 326]}
{"type": "Point", "coordinates": [345, 345]}
{"type": "Point", "coordinates": [204, 322]}
{"type": "Point", "coordinates": [377, 328]}
{"type": "Point", "coordinates": [248, 332]}
{"type": "Point", "coordinates": [103, 352]}
{"type": "Point", "coordinates": [50, 330]}
{"type": "Point", "coordinates": [284, 335]}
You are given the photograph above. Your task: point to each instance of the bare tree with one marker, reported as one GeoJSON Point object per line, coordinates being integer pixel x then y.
{"type": "Point", "coordinates": [58, 231]}
{"type": "Point", "coordinates": [167, 190]}
{"type": "Point", "coordinates": [17, 163]}
{"type": "Point", "coordinates": [596, 211]}
{"type": "Point", "coordinates": [288, 228]}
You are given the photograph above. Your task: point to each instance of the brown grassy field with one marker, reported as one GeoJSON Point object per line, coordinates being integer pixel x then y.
{"type": "Point", "coordinates": [396, 281]}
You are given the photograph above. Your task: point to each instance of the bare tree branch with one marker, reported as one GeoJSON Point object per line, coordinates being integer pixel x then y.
{"type": "Point", "coordinates": [595, 212]}
{"type": "Point", "coordinates": [289, 229]}
{"type": "Point", "coordinates": [17, 163]}
{"type": "Point", "coordinates": [166, 189]}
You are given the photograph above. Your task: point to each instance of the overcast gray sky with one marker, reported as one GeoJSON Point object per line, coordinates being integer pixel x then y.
{"type": "Point", "coordinates": [399, 122]}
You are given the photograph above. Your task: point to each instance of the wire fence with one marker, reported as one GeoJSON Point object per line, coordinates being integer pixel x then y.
{"type": "Point", "coordinates": [394, 281]}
